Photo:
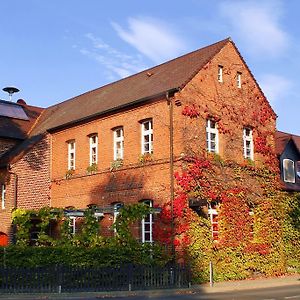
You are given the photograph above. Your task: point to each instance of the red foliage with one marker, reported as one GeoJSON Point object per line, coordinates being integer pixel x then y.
{"type": "Point", "coordinates": [191, 111]}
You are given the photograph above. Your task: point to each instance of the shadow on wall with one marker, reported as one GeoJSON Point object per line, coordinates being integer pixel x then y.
{"type": "Point", "coordinates": [120, 186]}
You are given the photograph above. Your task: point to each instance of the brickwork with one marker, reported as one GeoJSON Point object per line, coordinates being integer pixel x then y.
{"type": "Point", "coordinates": [131, 183]}
{"type": "Point", "coordinates": [6, 144]}
{"type": "Point", "coordinates": [31, 174]}
{"type": "Point", "coordinates": [236, 107]}
{"type": "Point", "coordinates": [134, 182]}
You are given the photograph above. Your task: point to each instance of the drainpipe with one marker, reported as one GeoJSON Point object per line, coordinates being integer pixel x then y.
{"type": "Point", "coordinates": [171, 110]}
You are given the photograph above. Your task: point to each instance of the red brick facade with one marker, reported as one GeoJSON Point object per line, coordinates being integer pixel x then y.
{"type": "Point", "coordinates": [133, 181]}
{"type": "Point", "coordinates": [42, 171]}
{"type": "Point", "coordinates": [27, 183]}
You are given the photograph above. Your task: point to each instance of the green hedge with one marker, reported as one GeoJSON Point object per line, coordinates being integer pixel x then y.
{"type": "Point", "coordinates": [108, 255]}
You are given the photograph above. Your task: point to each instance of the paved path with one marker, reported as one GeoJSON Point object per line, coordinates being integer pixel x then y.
{"type": "Point", "coordinates": [285, 287]}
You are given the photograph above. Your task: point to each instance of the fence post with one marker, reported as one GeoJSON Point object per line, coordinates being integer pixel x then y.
{"type": "Point", "coordinates": [211, 274]}
{"type": "Point", "coordinates": [59, 279]}
{"type": "Point", "coordinates": [130, 277]}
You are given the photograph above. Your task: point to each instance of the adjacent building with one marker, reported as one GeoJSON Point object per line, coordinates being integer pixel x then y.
{"type": "Point", "coordinates": [288, 151]}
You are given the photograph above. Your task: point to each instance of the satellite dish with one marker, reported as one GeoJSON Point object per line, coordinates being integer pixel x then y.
{"type": "Point", "coordinates": [10, 90]}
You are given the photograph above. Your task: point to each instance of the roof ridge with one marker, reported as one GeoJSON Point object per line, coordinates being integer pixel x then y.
{"type": "Point", "coordinates": [228, 39]}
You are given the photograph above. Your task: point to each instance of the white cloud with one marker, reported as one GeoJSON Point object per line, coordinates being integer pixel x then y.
{"type": "Point", "coordinates": [275, 87]}
{"type": "Point", "coordinates": [152, 38]}
{"type": "Point", "coordinates": [118, 64]}
{"type": "Point", "coordinates": [257, 24]}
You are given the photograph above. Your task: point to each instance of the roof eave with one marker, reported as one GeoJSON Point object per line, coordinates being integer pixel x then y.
{"type": "Point", "coordinates": [113, 110]}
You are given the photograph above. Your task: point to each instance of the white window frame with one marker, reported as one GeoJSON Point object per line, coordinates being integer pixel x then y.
{"type": "Point", "coordinates": [248, 138]}
{"type": "Point", "coordinates": [209, 131]}
{"type": "Point", "coordinates": [146, 222]}
{"type": "Point", "coordinates": [220, 73]}
{"type": "Point", "coordinates": [285, 168]}
{"type": "Point", "coordinates": [212, 211]}
{"type": "Point", "coordinates": [3, 195]}
{"type": "Point", "coordinates": [118, 143]}
{"type": "Point", "coordinates": [239, 79]}
{"type": "Point", "coordinates": [93, 149]}
{"type": "Point", "coordinates": [71, 150]}
{"type": "Point", "coordinates": [147, 133]}
{"type": "Point", "coordinates": [72, 225]}
{"type": "Point", "coordinates": [117, 207]}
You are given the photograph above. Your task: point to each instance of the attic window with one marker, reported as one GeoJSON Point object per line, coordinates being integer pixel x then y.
{"type": "Point", "coordinates": [239, 79]}
{"type": "Point", "coordinates": [298, 168]}
{"type": "Point", "coordinates": [220, 73]}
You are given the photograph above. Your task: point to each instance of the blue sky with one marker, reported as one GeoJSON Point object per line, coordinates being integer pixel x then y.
{"type": "Point", "coordinates": [54, 50]}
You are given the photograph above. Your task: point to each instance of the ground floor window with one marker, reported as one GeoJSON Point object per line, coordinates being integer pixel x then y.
{"type": "Point", "coordinates": [147, 225]}
{"type": "Point", "coordinates": [3, 195]}
{"type": "Point", "coordinates": [213, 216]}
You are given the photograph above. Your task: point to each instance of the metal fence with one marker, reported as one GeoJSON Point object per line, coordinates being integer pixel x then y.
{"type": "Point", "coordinates": [91, 279]}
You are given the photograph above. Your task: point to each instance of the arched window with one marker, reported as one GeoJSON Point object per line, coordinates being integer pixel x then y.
{"type": "Point", "coordinates": [147, 225]}
{"type": "Point", "coordinates": [288, 170]}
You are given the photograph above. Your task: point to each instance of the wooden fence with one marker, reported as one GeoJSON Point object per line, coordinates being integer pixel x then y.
{"type": "Point", "coordinates": [91, 279]}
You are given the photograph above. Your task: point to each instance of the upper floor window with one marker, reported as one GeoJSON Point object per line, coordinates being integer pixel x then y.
{"type": "Point", "coordinates": [71, 155]}
{"type": "Point", "coordinates": [118, 143]}
{"type": "Point", "coordinates": [239, 79]}
{"type": "Point", "coordinates": [220, 73]}
{"type": "Point", "coordinates": [93, 149]}
{"type": "Point", "coordinates": [248, 143]}
{"type": "Point", "coordinates": [3, 195]}
{"type": "Point", "coordinates": [288, 170]}
{"type": "Point", "coordinates": [298, 169]}
{"type": "Point", "coordinates": [147, 225]}
{"type": "Point", "coordinates": [212, 136]}
{"type": "Point", "coordinates": [147, 137]}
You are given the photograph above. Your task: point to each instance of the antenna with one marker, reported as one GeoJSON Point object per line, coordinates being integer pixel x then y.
{"type": "Point", "coordinates": [10, 90]}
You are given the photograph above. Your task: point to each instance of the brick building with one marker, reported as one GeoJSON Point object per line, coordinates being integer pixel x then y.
{"type": "Point", "coordinates": [19, 179]}
{"type": "Point", "coordinates": [121, 143]}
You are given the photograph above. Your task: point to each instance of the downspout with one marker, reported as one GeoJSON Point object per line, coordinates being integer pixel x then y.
{"type": "Point", "coordinates": [171, 151]}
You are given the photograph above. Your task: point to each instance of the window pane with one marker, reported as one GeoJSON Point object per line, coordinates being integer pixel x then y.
{"type": "Point", "coordinates": [147, 125]}
{"type": "Point", "coordinates": [288, 170]}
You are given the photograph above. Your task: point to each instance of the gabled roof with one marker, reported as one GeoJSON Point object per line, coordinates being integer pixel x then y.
{"type": "Point", "coordinates": [18, 127]}
{"type": "Point", "coordinates": [282, 139]}
{"type": "Point", "coordinates": [168, 76]}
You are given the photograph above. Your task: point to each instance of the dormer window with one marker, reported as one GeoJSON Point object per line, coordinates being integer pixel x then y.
{"type": "Point", "coordinates": [288, 170]}
{"type": "Point", "coordinates": [239, 79]}
{"type": "Point", "coordinates": [212, 143]}
{"type": "Point", "coordinates": [220, 73]}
